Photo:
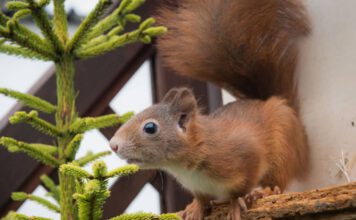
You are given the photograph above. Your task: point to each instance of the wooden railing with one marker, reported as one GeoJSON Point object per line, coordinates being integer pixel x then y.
{"type": "Point", "coordinates": [98, 81]}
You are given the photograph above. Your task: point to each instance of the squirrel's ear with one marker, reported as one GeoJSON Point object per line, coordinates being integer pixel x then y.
{"type": "Point", "coordinates": [182, 100]}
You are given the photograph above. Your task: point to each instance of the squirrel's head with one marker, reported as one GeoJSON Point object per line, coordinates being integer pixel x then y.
{"type": "Point", "coordinates": [159, 134]}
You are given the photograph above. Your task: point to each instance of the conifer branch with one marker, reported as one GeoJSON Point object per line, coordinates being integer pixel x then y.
{"type": "Point", "coordinates": [144, 34]}
{"type": "Point", "coordinates": [73, 147]}
{"type": "Point", "coordinates": [84, 28]}
{"type": "Point", "coordinates": [115, 18]}
{"type": "Point", "coordinates": [45, 25]}
{"type": "Point", "coordinates": [146, 216]}
{"type": "Point", "coordinates": [15, 32]}
{"type": "Point", "coordinates": [16, 5]}
{"type": "Point", "coordinates": [75, 171]}
{"type": "Point", "coordinates": [26, 41]}
{"type": "Point", "coordinates": [82, 125]}
{"type": "Point", "coordinates": [90, 157]}
{"type": "Point", "coordinates": [91, 201]}
{"type": "Point", "coordinates": [125, 117]}
{"type": "Point", "coordinates": [20, 196]}
{"type": "Point", "coordinates": [99, 170]}
{"type": "Point", "coordinates": [30, 100]}
{"type": "Point", "coordinates": [21, 52]}
{"type": "Point", "coordinates": [48, 149]}
{"type": "Point", "coordinates": [60, 22]}
{"type": "Point", "coordinates": [33, 151]}
{"type": "Point", "coordinates": [53, 188]}
{"type": "Point", "coordinates": [35, 39]}
{"type": "Point", "coordinates": [107, 45]}
{"type": "Point", "coordinates": [123, 171]}
{"type": "Point", "coordinates": [36, 122]}
{"type": "Point", "coordinates": [16, 216]}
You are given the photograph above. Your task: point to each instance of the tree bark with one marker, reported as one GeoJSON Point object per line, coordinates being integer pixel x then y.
{"type": "Point", "coordinates": [335, 203]}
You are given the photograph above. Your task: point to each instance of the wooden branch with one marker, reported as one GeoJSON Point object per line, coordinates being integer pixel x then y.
{"type": "Point", "coordinates": [335, 203]}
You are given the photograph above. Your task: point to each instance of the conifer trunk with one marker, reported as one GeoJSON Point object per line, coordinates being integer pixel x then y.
{"type": "Point", "coordinates": [66, 114]}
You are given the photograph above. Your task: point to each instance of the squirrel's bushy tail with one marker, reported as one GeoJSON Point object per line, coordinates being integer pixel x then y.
{"type": "Point", "coordinates": [248, 47]}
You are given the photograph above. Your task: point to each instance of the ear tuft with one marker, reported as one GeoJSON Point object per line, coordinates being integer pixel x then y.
{"type": "Point", "coordinates": [181, 100]}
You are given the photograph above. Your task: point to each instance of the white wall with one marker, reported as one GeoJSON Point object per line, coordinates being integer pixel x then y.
{"type": "Point", "coordinates": [327, 91]}
{"type": "Point", "coordinates": [327, 88]}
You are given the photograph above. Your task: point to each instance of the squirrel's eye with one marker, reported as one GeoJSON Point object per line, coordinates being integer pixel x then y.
{"type": "Point", "coordinates": [150, 128]}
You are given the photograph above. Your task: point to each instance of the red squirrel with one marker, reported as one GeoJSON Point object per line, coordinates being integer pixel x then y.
{"type": "Point", "coordinates": [249, 48]}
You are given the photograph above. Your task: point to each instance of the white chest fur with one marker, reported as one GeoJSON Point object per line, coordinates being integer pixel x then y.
{"type": "Point", "coordinates": [198, 182]}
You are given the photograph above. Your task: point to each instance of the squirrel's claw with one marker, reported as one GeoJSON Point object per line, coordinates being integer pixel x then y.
{"type": "Point", "coordinates": [235, 210]}
{"type": "Point", "coordinates": [194, 211]}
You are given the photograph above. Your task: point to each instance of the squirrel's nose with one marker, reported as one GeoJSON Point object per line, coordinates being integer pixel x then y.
{"type": "Point", "coordinates": [114, 145]}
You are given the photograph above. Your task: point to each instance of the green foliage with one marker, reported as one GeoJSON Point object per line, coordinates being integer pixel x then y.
{"type": "Point", "coordinates": [20, 196]}
{"type": "Point", "coordinates": [36, 122]}
{"type": "Point", "coordinates": [84, 124]}
{"type": "Point", "coordinates": [53, 188]}
{"type": "Point", "coordinates": [123, 171]}
{"type": "Point", "coordinates": [91, 201]}
{"type": "Point", "coordinates": [93, 195]}
{"type": "Point", "coordinates": [30, 101]}
{"type": "Point", "coordinates": [73, 147]}
{"type": "Point", "coordinates": [88, 23]}
{"type": "Point", "coordinates": [16, 216]}
{"type": "Point", "coordinates": [125, 117]}
{"type": "Point", "coordinates": [90, 157]}
{"type": "Point", "coordinates": [97, 34]}
{"type": "Point", "coordinates": [74, 170]}
{"type": "Point", "coordinates": [146, 216]}
{"type": "Point", "coordinates": [32, 150]}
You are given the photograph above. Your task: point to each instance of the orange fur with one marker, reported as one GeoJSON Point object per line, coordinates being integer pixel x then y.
{"type": "Point", "coordinates": [248, 47]}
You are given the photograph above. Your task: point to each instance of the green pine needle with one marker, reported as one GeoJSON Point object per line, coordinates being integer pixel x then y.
{"type": "Point", "coordinates": [20, 196]}
{"type": "Point", "coordinates": [15, 216]}
{"type": "Point", "coordinates": [73, 147]}
{"type": "Point", "coordinates": [32, 150]}
{"type": "Point", "coordinates": [99, 169]}
{"type": "Point", "coordinates": [84, 28]}
{"type": "Point", "coordinates": [36, 122]}
{"type": "Point", "coordinates": [53, 188]}
{"type": "Point", "coordinates": [125, 117]}
{"type": "Point", "coordinates": [146, 216]}
{"type": "Point", "coordinates": [109, 21]}
{"type": "Point", "coordinates": [133, 5]}
{"type": "Point", "coordinates": [15, 5]}
{"type": "Point", "coordinates": [75, 171]}
{"type": "Point", "coordinates": [19, 15]}
{"type": "Point", "coordinates": [143, 34]}
{"type": "Point", "coordinates": [90, 202]}
{"type": "Point", "coordinates": [123, 171]}
{"type": "Point", "coordinates": [60, 21]}
{"type": "Point", "coordinates": [45, 25]}
{"type": "Point", "coordinates": [48, 149]}
{"type": "Point", "coordinates": [29, 100]}
{"type": "Point", "coordinates": [21, 52]}
{"type": "Point", "coordinates": [112, 43]}
{"type": "Point", "coordinates": [85, 124]}
{"type": "Point", "coordinates": [90, 157]}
